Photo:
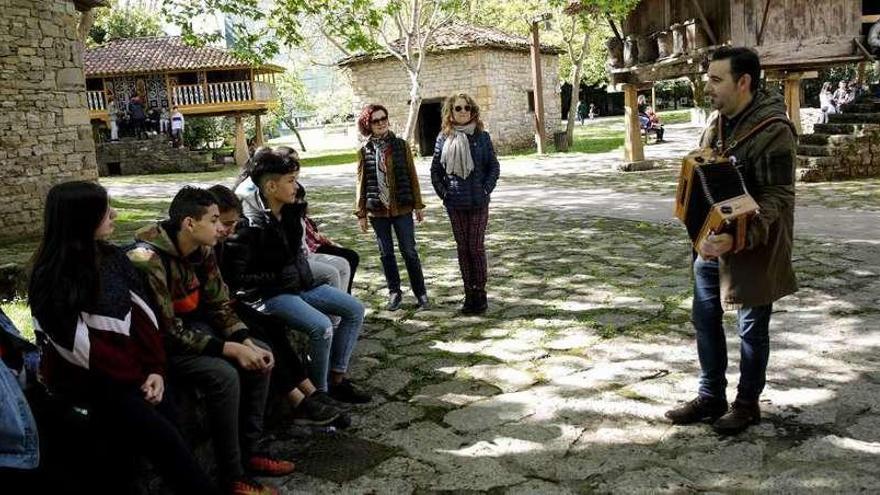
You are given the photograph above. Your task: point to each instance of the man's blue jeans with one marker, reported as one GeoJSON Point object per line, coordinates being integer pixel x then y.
{"type": "Point", "coordinates": [307, 312]}
{"type": "Point", "coordinates": [754, 333]}
{"type": "Point", "coordinates": [404, 227]}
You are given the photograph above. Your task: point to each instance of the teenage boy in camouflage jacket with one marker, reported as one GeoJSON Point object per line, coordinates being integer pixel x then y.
{"type": "Point", "coordinates": [208, 346]}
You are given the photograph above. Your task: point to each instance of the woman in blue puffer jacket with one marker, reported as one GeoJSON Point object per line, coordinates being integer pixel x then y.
{"type": "Point", "coordinates": [464, 172]}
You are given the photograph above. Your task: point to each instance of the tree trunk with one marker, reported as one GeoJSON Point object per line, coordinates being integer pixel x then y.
{"type": "Point", "coordinates": [291, 125]}
{"type": "Point", "coordinates": [700, 113]}
{"type": "Point", "coordinates": [576, 90]}
{"type": "Point", "coordinates": [415, 101]}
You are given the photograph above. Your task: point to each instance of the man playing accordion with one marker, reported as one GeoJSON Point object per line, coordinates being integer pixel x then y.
{"type": "Point", "coordinates": [750, 125]}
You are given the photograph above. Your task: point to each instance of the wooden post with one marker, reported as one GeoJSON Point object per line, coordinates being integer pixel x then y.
{"type": "Point", "coordinates": [538, 89]}
{"type": "Point", "coordinates": [793, 99]}
{"type": "Point", "coordinates": [241, 152]}
{"type": "Point", "coordinates": [168, 93]}
{"type": "Point", "coordinates": [633, 150]}
{"type": "Point", "coordinates": [205, 89]}
{"type": "Point", "coordinates": [258, 131]}
{"type": "Point", "coordinates": [654, 97]}
{"type": "Point", "coordinates": [253, 94]}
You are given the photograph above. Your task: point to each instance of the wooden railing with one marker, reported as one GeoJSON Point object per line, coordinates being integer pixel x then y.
{"type": "Point", "coordinates": [207, 94]}
{"type": "Point", "coordinates": [97, 100]}
{"type": "Point", "coordinates": [222, 92]}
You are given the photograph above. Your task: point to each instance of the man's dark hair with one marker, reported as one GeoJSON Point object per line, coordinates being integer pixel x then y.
{"type": "Point", "coordinates": [742, 61]}
{"type": "Point", "coordinates": [271, 165]}
{"type": "Point", "coordinates": [226, 199]}
{"type": "Point", "coordinates": [190, 202]}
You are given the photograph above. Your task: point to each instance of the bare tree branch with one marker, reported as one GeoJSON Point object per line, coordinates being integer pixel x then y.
{"type": "Point", "coordinates": [334, 41]}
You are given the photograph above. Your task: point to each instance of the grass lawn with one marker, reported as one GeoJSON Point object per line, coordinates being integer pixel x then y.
{"type": "Point", "coordinates": [604, 135]}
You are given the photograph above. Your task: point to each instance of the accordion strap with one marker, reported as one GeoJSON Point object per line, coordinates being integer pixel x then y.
{"type": "Point", "coordinates": [727, 148]}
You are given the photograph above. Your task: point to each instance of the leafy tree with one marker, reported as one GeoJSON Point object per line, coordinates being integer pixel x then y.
{"type": "Point", "coordinates": [584, 18]}
{"type": "Point", "coordinates": [579, 28]}
{"type": "Point", "coordinates": [293, 100]}
{"type": "Point", "coordinates": [370, 26]}
{"type": "Point", "coordinates": [122, 22]}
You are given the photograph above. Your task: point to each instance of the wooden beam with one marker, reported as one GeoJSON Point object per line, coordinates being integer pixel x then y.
{"type": "Point", "coordinates": [782, 75]}
{"type": "Point", "coordinates": [803, 51]}
{"type": "Point", "coordinates": [667, 69]}
{"type": "Point", "coordinates": [737, 24]}
{"type": "Point", "coordinates": [763, 23]}
{"type": "Point", "coordinates": [633, 151]}
{"type": "Point", "coordinates": [613, 27]}
{"type": "Point", "coordinates": [793, 100]}
{"type": "Point", "coordinates": [709, 31]}
{"type": "Point", "coordinates": [258, 131]}
{"type": "Point", "coordinates": [168, 95]}
{"type": "Point", "coordinates": [241, 152]}
{"type": "Point", "coordinates": [870, 19]}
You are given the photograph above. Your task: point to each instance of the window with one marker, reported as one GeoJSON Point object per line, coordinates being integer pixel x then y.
{"type": "Point", "coordinates": [531, 96]}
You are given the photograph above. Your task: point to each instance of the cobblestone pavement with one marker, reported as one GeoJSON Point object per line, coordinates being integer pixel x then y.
{"type": "Point", "coordinates": [562, 386]}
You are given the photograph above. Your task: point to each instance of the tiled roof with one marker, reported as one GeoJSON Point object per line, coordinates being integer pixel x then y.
{"type": "Point", "coordinates": [459, 36]}
{"type": "Point", "coordinates": [157, 54]}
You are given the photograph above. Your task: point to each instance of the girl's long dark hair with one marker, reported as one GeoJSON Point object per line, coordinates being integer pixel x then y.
{"type": "Point", "coordinates": [64, 277]}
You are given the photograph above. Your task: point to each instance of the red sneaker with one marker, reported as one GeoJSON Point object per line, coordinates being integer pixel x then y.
{"type": "Point", "coordinates": [246, 486]}
{"type": "Point", "coordinates": [264, 465]}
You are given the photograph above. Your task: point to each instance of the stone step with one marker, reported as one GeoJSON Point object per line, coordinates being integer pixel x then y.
{"type": "Point", "coordinates": [816, 138]}
{"type": "Point", "coordinates": [815, 162]}
{"type": "Point", "coordinates": [854, 118]}
{"type": "Point", "coordinates": [814, 150]}
{"type": "Point", "coordinates": [827, 139]}
{"type": "Point", "coordinates": [861, 107]}
{"type": "Point", "coordinates": [835, 128]}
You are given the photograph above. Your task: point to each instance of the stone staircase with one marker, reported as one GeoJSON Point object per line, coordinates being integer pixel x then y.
{"type": "Point", "coordinates": [847, 147]}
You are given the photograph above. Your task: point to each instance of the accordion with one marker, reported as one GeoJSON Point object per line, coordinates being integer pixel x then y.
{"type": "Point", "coordinates": [712, 198]}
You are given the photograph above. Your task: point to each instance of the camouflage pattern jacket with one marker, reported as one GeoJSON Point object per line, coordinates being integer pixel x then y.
{"type": "Point", "coordinates": [187, 289]}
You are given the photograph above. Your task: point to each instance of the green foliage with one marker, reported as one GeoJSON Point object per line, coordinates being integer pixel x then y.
{"type": "Point", "coordinates": [566, 29]}
{"type": "Point", "coordinates": [259, 32]}
{"type": "Point", "coordinates": [293, 100]}
{"type": "Point", "coordinates": [207, 132]}
{"type": "Point", "coordinates": [122, 23]}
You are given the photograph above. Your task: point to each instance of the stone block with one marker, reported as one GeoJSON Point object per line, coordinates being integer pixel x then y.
{"type": "Point", "coordinates": [75, 116]}
{"type": "Point", "coordinates": [70, 79]}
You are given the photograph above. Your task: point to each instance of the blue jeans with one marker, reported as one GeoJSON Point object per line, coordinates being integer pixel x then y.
{"type": "Point", "coordinates": [754, 333]}
{"type": "Point", "coordinates": [406, 238]}
{"type": "Point", "coordinates": [307, 312]}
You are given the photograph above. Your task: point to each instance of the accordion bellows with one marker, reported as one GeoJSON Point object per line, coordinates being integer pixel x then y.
{"type": "Point", "coordinates": [712, 198]}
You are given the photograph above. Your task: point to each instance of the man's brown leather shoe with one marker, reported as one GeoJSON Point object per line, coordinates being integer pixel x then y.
{"type": "Point", "coordinates": [697, 410]}
{"type": "Point", "coordinates": [741, 416]}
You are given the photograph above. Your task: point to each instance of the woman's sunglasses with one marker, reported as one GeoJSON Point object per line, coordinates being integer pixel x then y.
{"type": "Point", "coordinates": [459, 108]}
{"type": "Point", "coordinates": [379, 120]}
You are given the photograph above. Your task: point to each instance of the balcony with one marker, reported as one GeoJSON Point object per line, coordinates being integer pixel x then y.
{"type": "Point", "coordinates": [208, 99]}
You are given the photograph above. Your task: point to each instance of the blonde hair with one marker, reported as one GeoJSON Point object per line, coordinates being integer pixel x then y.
{"type": "Point", "coordinates": [446, 114]}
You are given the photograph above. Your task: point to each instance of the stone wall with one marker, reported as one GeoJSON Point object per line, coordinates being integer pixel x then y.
{"type": "Point", "coordinates": [150, 156]}
{"type": "Point", "coordinates": [847, 157]}
{"type": "Point", "coordinates": [507, 115]}
{"type": "Point", "coordinates": [498, 79]}
{"type": "Point", "coordinates": [44, 122]}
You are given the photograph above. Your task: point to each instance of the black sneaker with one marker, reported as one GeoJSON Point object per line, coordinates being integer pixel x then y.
{"type": "Point", "coordinates": [314, 412]}
{"type": "Point", "coordinates": [394, 300]}
{"type": "Point", "coordinates": [346, 391]}
{"type": "Point", "coordinates": [422, 302]}
{"type": "Point", "coordinates": [697, 410]}
{"type": "Point", "coordinates": [330, 401]}
{"type": "Point", "coordinates": [343, 421]}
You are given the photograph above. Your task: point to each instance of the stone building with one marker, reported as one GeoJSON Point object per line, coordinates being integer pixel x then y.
{"type": "Point", "coordinates": [492, 66]}
{"type": "Point", "coordinates": [44, 121]}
